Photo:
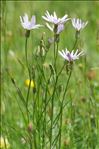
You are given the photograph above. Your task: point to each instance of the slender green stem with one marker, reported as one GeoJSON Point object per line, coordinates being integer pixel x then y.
{"type": "Point", "coordinates": [44, 111]}
{"type": "Point", "coordinates": [20, 95]}
{"type": "Point", "coordinates": [28, 70]}
{"type": "Point", "coordinates": [75, 43]}
{"type": "Point", "coordinates": [43, 75]}
{"type": "Point", "coordinates": [26, 51]}
{"type": "Point", "coordinates": [61, 110]}
{"type": "Point", "coordinates": [54, 47]}
{"type": "Point", "coordinates": [57, 117]}
{"type": "Point", "coordinates": [30, 141]}
{"type": "Point", "coordinates": [18, 91]}
{"type": "Point", "coordinates": [44, 122]}
{"type": "Point", "coordinates": [55, 86]}
{"type": "Point", "coordinates": [55, 140]}
{"type": "Point", "coordinates": [61, 69]}
{"type": "Point", "coordinates": [56, 55]}
{"type": "Point", "coordinates": [76, 39]}
{"type": "Point", "coordinates": [52, 113]}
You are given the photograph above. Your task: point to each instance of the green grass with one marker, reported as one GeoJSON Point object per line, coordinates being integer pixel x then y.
{"type": "Point", "coordinates": [81, 114]}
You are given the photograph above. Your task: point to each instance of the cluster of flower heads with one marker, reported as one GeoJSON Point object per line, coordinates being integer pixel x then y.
{"type": "Point", "coordinates": [56, 22]}
{"type": "Point", "coordinates": [78, 24]}
{"type": "Point", "coordinates": [57, 26]}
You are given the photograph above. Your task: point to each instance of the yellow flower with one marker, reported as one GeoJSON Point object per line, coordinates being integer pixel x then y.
{"type": "Point", "coordinates": [27, 83]}
{"type": "Point", "coordinates": [4, 144]}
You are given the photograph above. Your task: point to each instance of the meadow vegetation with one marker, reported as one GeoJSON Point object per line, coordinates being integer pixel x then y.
{"type": "Point", "coordinates": [48, 101]}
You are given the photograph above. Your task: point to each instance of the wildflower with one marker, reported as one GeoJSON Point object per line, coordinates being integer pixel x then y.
{"type": "Point", "coordinates": [4, 143]}
{"type": "Point", "coordinates": [27, 83]}
{"type": "Point", "coordinates": [26, 24]}
{"type": "Point", "coordinates": [54, 19]}
{"type": "Point", "coordinates": [78, 24]}
{"type": "Point", "coordinates": [60, 28]}
{"type": "Point", "coordinates": [71, 56]}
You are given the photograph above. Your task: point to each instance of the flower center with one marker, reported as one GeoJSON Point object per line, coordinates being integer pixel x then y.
{"type": "Point", "coordinates": [69, 57]}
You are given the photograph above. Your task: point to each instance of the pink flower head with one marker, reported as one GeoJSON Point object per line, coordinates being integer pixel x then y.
{"type": "Point", "coordinates": [26, 24]}
{"type": "Point", "coordinates": [71, 56]}
{"type": "Point", "coordinates": [54, 19]}
{"type": "Point", "coordinates": [78, 24]}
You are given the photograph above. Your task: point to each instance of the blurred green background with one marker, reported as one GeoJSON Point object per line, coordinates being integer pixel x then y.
{"type": "Point", "coordinates": [13, 56]}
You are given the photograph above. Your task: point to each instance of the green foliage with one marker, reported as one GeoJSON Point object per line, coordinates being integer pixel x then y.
{"type": "Point", "coordinates": [29, 124]}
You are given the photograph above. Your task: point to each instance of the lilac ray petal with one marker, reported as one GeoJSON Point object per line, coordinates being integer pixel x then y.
{"type": "Point", "coordinates": [33, 20]}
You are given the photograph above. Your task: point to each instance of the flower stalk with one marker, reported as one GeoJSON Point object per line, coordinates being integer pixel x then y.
{"type": "Point", "coordinates": [61, 108]}
{"type": "Point", "coordinates": [28, 69]}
